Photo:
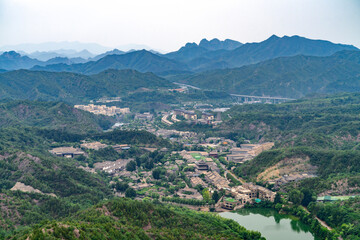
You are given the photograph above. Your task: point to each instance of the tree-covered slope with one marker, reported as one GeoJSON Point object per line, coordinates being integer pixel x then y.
{"type": "Point", "coordinates": [65, 187]}
{"type": "Point", "coordinates": [319, 134]}
{"type": "Point", "coordinates": [291, 77]}
{"type": "Point", "coordinates": [129, 219]}
{"type": "Point", "coordinates": [122, 82]}
{"type": "Point", "coordinates": [328, 121]}
{"type": "Point", "coordinates": [51, 115]}
{"type": "Point", "coordinates": [75, 88]}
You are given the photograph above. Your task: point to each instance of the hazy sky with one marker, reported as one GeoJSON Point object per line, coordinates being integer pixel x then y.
{"type": "Point", "coordinates": [168, 24]}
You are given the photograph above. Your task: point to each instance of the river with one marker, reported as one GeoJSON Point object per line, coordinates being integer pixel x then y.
{"type": "Point", "coordinates": [271, 224]}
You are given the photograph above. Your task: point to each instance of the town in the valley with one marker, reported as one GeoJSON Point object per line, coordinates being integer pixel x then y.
{"type": "Point", "coordinates": [199, 174]}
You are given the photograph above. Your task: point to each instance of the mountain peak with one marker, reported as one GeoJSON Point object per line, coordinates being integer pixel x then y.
{"type": "Point", "coordinates": [273, 37]}
{"type": "Point", "coordinates": [216, 44]}
{"type": "Point", "coordinates": [190, 45]}
{"type": "Point", "coordinates": [11, 54]}
{"type": "Point", "coordinates": [212, 41]}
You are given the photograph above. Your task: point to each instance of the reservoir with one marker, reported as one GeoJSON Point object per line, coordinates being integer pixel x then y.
{"type": "Point", "coordinates": [271, 224]}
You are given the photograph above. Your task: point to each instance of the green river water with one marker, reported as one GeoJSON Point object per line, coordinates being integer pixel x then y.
{"type": "Point", "coordinates": [271, 224]}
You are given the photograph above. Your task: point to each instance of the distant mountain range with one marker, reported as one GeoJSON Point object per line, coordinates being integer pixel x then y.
{"type": "Point", "coordinates": [56, 47]}
{"type": "Point", "coordinates": [202, 57]}
{"type": "Point", "coordinates": [291, 77]}
{"type": "Point", "coordinates": [207, 55]}
{"type": "Point", "coordinates": [14, 61]}
{"type": "Point", "coordinates": [45, 56]}
{"type": "Point", "coordinates": [143, 61]}
{"type": "Point", "coordinates": [279, 66]}
{"type": "Point", "coordinates": [75, 88]}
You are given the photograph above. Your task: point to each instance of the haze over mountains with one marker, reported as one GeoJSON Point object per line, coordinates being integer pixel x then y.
{"type": "Point", "coordinates": [56, 47]}
{"type": "Point", "coordinates": [284, 66]}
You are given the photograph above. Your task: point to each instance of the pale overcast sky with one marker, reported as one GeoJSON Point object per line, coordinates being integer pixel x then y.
{"type": "Point", "coordinates": [168, 24]}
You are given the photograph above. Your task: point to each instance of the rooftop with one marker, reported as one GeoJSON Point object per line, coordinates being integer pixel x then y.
{"type": "Point", "coordinates": [230, 200]}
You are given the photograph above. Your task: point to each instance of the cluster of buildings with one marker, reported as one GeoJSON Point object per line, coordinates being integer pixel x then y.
{"type": "Point", "coordinates": [246, 194]}
{"type": "Point", "coordinates": [165, 120]}
{"type": "Point", "coordinates": [112, 167]}
{"type": "Point", "coordinates": [247, 151]}
{"type": "Point", "coordinates": [290, 178]}
{"type": "Point", "coordinates": [197, 181]}
{"type": "Point", "coordinates": [217, 180]}
{"type": "Point", "coordinates": [206, 118]}
{"type": "Point", "coordinates": [109, 100]}
{"type": "Point", "coordinates": [206, 173]}
{"type": "Point", "coordinates": [188, 115]}
{"type": "Point", "coordinates": [169, 133]}
{"type": "Point", "coordinates": [200, 161]}
{"type": "Point", "coordinates": [71, 152]}
{"type": "Point", "coordinates": [103, 109]}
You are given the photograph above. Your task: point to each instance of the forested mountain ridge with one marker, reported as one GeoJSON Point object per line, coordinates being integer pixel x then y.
{"type": "Point", "coordinates": [322, 121]}
{"type": "Point", "coordinates": [128, 219]}
{"type": "Point", "coordinates": [291, 77]}
{"type": "Point", "coordinates": [75, 88]}
{"type": "Point", "coordinates": [52, 115]}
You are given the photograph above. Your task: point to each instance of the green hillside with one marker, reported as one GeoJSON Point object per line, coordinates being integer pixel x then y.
{"type": "Point", "coordinates": [321, 131]}
{"type": "Point", "coordinates": [52, 115]}
{"type": "Point", "coordinates": [291, 77]}
{"type": "Point", "coordinates": [328, 122]}
{"type": "Point", "coordinates": [129, 219]}
{"type": "Point", "coordinates": [65, 187]}
{"type": "Point", "coordinates": [75, 88]}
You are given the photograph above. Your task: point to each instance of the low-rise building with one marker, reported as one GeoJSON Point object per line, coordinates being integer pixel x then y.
{"type": "Point", "coordinates": [229, 203]}
{"type": "Point", "coordinates": [103, 109]}
{"type": "Point", "coordinates": [218, 181]}
{"type": "Point", "coordinates": [121, 147]}
{"type": "Point", "coordinates": [197, 181]}
{"type": "Point", "coordinates": [237, 158]}
{"type": "Point", "coordinates": [207, 116]}
{"type": "Point", "coordinates": [93, 145]}
{"type": "Point", "coordinates": [202, 165]}
{"type": "Point", "coordinates": [67, 152]}
{"type": "Point", "coordinates": [189, 115]}
{"type": "Point", "coordinates": [214, 154]}
{"type": "Point", "coordinates": [247, 192]}
{"type": "Point", "coordinates": [144, 116]}
{"type": "Point", "coordinates": [247, 152]}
